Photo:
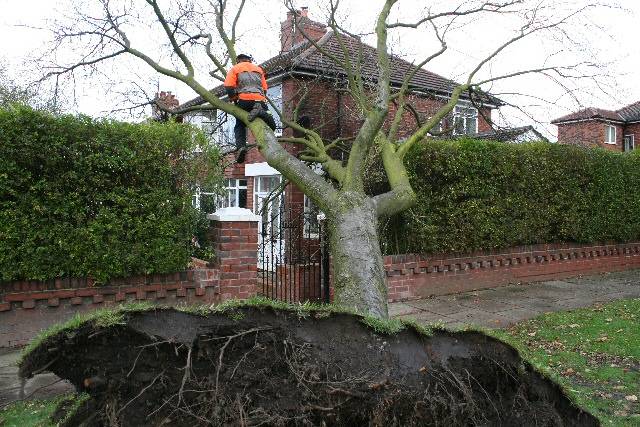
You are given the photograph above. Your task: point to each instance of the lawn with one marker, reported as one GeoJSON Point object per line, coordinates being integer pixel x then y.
{"type": "Point", "coordinates": [33, 413]}
{"type": "Point", "coordinates": [593, 352]}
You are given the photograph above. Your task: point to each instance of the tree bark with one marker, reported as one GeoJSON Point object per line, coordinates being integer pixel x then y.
{"type": "Point", "coordinates": [358, 269]}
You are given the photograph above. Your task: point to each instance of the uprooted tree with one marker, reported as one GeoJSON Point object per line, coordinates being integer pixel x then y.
{"type": "Point", "coordinates": [209, 27]}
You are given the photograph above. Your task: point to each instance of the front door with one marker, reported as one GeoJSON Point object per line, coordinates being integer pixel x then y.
{"type": "Point", "coordinates": [629, 143]}
{"type": "Point", "coordinates": [267, 203]}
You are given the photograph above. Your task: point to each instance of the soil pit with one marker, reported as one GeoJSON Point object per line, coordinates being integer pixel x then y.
{"type": "Point", "coordinates": [262, 366]}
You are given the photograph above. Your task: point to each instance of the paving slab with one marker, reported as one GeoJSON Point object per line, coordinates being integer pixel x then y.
{"type": "Point", "coordinates": [481, 318]}
{"type": "Point", "coordinates": [437, 305]}
{"type": "Point", "coordinates": [401, 309]}
{"type": "Point", "coordinates": [41, 386]}
{"type": "Point", "coordinates": [427, 317]}
{"type": "Point", "coordinates": [487, 304]}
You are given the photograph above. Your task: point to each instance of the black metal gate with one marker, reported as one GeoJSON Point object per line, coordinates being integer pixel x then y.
{"type": "Point", "coordinates": [292, 260]}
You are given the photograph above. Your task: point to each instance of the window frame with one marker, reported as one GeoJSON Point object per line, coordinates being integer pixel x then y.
{"type": "Point", "coordinates": [236, 188]}
{"type": "Point", "coordinates": [606, 134]}
{"type": "Point", "coordinates": [458, 114]}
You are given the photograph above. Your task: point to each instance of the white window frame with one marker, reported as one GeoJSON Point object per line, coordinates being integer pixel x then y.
{"type": "Point", "coordinates": [465, 116]}
{"type": "Point", "coordinates": [233, 186]}
{"type": "Point", "coordinates": [632, 138]}
{"type": "Point", "coordinates": [274, 93]}
{"type": "Point", "coordinates": [196, 198]}
{"type": "Point", "coordinates": [606, 134]}
{"type": "Point", "coordinates": [206, 122]}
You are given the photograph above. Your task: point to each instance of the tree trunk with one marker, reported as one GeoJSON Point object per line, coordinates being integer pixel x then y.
{"type": "Point", "coordinates": [358, 270]}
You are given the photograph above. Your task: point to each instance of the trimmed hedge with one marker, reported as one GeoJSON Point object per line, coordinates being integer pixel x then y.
{"type": "Point", "coordinates": [82, 197]}
{"type": "Point", "coordinates": [475, 195]}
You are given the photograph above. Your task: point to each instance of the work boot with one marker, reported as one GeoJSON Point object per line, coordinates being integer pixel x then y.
{"type": "Point", "coordinates": [241, 155]}
{"type": "Point", "coordinates": [255, 111]}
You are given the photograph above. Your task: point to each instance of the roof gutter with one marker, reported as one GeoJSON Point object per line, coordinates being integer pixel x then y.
{"type": "Point", "coordinates": [591, 119]}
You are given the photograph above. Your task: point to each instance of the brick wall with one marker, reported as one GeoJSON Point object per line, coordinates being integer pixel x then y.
{"type": "Point", "coordinates": [236, 244]}
{"type": "Point", "coordinates": [27, 307]}
{"type": "Point", "coordinates": [417, 276]}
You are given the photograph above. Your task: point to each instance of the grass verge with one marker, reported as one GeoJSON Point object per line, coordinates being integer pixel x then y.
{"type": "Point", "coordinates": [594, 353]}
{"type": "Point", "coordinates": [31, 413]}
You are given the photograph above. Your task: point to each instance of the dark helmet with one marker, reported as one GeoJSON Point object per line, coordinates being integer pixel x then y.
{"type": "Point", "coordinates": [245, 57]}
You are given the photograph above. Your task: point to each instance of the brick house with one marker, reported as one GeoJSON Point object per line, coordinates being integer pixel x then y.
{"type": "Point", "coordinates": [327, 107]}
{"type": "Point", "coordinates": [596, 127]}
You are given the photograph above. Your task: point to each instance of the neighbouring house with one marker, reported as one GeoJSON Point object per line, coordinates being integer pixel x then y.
{"type": "Point", "coordinates": [597, 127]}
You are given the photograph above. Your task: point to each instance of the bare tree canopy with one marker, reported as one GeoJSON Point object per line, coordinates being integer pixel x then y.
{"type": "Point", "coordinates": [198, 39]}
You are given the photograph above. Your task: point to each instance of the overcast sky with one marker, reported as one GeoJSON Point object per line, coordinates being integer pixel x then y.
{"type": "Point", "coordinates": [608, 36]}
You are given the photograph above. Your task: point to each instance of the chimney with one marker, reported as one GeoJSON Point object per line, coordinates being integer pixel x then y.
{"type": "Point", "coordinates": [297, 23]}
{"type": "Point", "coordinates": [165, 100]}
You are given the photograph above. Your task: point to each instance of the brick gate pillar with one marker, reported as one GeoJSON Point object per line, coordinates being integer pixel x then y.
{"type": "Point", "coordinates": [234, 233]}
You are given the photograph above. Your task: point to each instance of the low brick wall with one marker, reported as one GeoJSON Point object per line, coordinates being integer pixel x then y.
{"type": "Point", "coordinates": [413, 276]}
{"type": "Point", "coordinates": [27, 307]}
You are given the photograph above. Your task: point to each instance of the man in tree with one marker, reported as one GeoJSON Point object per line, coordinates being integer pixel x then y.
{"type": "Point", "coordinates": [246, 85]}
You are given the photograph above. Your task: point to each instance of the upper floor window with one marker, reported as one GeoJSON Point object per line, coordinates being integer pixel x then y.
{"type": "Point", "coordinates": [205, 121]}
{"type": "Point", "coordinates": [274, 93]}
{"type": "Point", "coordinates": [465, 120]}
{"type": "Point", "coordinates": [609, 134]}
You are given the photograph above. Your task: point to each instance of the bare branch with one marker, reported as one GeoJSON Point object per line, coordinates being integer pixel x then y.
{"type": "Point", "coordinates": [457, 12]}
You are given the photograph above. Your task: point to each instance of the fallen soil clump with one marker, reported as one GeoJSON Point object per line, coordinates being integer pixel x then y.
{"type": "Point", "coordinates": [263, 366]}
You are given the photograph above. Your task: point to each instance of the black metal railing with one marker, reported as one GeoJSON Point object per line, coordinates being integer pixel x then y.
{"type": "Point", "coordinates": [291, 256]}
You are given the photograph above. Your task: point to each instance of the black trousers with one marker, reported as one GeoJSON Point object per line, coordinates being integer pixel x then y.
{"type": "Point", "coordinates": [240, 130]}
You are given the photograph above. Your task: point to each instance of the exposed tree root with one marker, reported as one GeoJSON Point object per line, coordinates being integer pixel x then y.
{"type": "Point", "coordinates": [266, 367]}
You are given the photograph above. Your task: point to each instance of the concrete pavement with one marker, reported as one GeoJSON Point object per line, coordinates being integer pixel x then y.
{"type": "Point", "coordinates": [504, 306]}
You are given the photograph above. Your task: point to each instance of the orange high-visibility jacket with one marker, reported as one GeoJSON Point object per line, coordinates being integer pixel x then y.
{"type": "Point", "coordinates": [248, 81]}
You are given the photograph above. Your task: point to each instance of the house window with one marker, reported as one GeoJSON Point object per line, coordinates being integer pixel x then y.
{"type": "Point", "coordinates": [629, 143]}
{"type": "Point", "coordinates": [311, 226]}
{"type": "Point", "coordinates": [609, 134]}
{"type": "Point", "coordinates": [465, 120]}
{"type": "Point", "coordinates": [205, 121]}
{"type": "Point", "coordinates": [223, 133]}
{"type": "Point", "coordinates": [205, 201]}
{"type": "Point", "coordinates": [236, 193]}
{"type": "Point", "coordinates": [274, 93]}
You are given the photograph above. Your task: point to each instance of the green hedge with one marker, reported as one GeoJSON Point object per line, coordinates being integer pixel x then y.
{"type": "Point", "coordinates": [475, 195]}
{"type": "Point", "coordinates": [84, 197]}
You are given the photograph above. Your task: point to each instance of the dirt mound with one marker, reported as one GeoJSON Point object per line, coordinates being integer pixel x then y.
{"type": "Point", "coordinates": [261, 366]}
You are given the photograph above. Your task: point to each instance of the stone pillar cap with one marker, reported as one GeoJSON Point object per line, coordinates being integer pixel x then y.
{"type": "Point", "coordinates": [233, 215]}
